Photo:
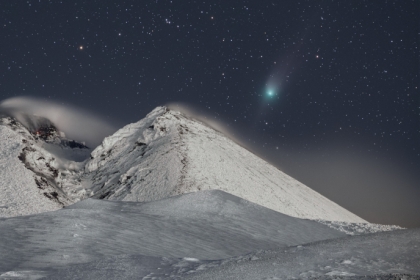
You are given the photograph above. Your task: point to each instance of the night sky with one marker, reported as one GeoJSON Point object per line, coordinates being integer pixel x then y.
{"type": "Point", "coordinates": [328, 91]}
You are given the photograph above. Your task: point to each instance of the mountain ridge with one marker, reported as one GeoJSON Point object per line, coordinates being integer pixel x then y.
{"type": "Point", "coordinates": [34, 167]}
{"type": "Point", "coordinates": [165, 154]}
{"type": "Point", "coordinates": [172, 154]}
{"type": "Point", "coordinates": [178, 200]}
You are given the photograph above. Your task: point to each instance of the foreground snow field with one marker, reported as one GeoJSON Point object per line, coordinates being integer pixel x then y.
{"type": "Point", "coordinates": [203, 225]}
{"type": "Point", "coordinates": [202, 235]}
{"type": "Point", "coordinates": [380, 256]}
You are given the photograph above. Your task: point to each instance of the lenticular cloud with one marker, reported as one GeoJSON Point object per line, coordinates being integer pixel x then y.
{"type": "Point", "coordinates": [76, 123]}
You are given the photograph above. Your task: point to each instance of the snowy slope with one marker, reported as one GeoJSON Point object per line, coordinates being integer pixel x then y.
{"type": "Point", "coordinates": [20, 194]}
{"type": "Point", "coordinates": [204, 216]}
{"type": "Point", "coordinates": [385, 255]}
{"type": "Point", "coordinates": [167, 153]}
{"type": "Point", "coordinates": [202, 235]}
{"type": "Point", "coordinates": [202, 225]}
{"type": "Point", "coordinates": [31, 178]}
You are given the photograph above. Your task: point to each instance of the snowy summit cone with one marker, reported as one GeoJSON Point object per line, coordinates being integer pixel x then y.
{"type": "Point", "coordinates": [167, 154]}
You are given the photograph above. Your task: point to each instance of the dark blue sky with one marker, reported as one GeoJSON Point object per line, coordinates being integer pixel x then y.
{"type": "Point", "coordinates": [344, 114]}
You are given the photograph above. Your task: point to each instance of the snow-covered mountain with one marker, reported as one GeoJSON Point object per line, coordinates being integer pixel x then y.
{"type": "Point", "coordinates": [177, 200]}
{"type": "Point", "coordinates": [168, 153]}
{"type": "Point", "coordinates": [35, 167]}
{"type": "Point", "coordinates": [163, 155]}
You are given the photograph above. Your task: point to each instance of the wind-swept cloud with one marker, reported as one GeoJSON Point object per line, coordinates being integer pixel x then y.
{"type": "Point", "coordinates": [76, 123]}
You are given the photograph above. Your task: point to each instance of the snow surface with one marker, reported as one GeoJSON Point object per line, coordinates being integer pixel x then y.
{"type": "Point", "coordinates": [167, 154]}
{"type": "Point", "coordinates": [202, 235]}
{"type": "Point", "coordinates": [20, 194]}
{"type": "Point", "coordinates": [358, 228]}
{"type": "Point", "coordinates": [34, 180]}
{"type": "Point", "coordinates": [201, 225]}
{"type": "Point", "coordinates": [378, 255]}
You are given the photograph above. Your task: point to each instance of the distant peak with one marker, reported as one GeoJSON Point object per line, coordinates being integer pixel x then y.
{"type": "Point", "coordinates": [43, 129]}
{"type": "Point", "coordinates": [159, 110]}
{"type": "Point", "coordinates": [31, 122]}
